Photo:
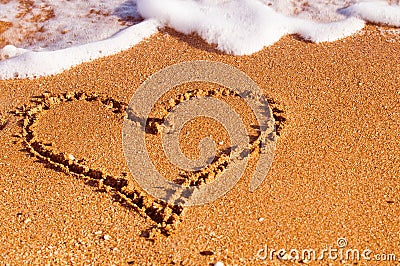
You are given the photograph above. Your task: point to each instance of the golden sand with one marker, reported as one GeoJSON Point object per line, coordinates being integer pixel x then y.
{"type": "Point", "coordinates": [335, 172]}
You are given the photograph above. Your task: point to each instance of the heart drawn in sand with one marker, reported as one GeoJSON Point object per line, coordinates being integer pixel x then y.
{"type": "Point", "coordinates": [165, 216]}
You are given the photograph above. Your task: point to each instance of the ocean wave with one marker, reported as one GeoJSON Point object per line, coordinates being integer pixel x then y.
{"type": "Point", "coordinates": [238, 27]}
{"type": "Point", "coordinates": [241, 27]}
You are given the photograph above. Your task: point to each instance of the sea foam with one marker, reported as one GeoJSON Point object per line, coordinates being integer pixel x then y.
{"type": "Point", "coordinates": [31, 64]}
{"type": "Point", "coordinates": [238, 27]}
{"type": "Point", "coordinates": [241, 27]}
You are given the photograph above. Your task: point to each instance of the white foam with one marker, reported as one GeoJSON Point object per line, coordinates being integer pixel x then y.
{"type": "Point", "coordinates": [32, 64]}
{"type": "Point", "coordinates": [76, 31]}
{"type": "Point", "coordinates": [327, 32]}
{"type": "Point", "coordinates": [241, 27]}
{"type": "Point", "coordinates": [377, 12]}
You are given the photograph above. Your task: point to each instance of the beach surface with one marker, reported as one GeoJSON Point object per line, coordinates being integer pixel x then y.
{"type": "Point", "coordinates": [334, 176]}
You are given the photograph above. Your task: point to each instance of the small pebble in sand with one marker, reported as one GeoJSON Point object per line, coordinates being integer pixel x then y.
{"type": "Point", "coordinates": [219, 263]}
{"type": "Point", "coordinates": [106, 237]}
{"type": "Point", "coordinates": [71, 157]}
{"type": "Point", "coordinates": [27, 220]}
{"type": "Point", "coordinates": [261, 219]}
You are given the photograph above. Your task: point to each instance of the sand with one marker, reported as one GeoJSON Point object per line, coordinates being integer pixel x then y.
{"type": "Point", "coordinates": [335, 172]}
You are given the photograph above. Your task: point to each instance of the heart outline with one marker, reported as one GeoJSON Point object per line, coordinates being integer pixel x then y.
{"type": "Point", "coordinates": [165, 217]}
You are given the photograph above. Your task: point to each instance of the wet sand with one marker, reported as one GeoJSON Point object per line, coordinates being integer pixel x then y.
{"type": "Point", "coordinates": [335, 172]}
